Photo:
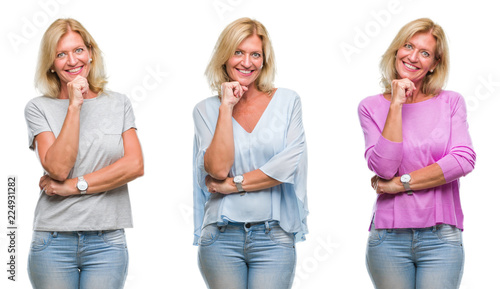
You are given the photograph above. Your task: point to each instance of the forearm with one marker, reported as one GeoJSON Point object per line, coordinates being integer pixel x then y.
{"type": "Point", "coordinates": [256, 180]}
{"type": "Point", "coordinates": [115, 175]}
{"type": "Point", "coordinates": [60, 156]}
{"type": "Point", "coordinates": [219, 156]}
{"type": "Point", "coordinates": [427, 177]}
{"type": "Point", "coordinates": [421, 179]}
{"type": "Point", "coordinates": [253, 181]}
{"type": "Point", "coordinates": [393, 128]}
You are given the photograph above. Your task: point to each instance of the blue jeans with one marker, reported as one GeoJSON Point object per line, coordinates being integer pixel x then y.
{"type": "Point", "coordinates": [72, 260]}
{"type": "Point", "coordinates": [428, 258]}
{"type": "Point", "coordinates": [247, 256]}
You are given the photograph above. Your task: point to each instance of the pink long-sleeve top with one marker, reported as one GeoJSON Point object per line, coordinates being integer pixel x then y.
{"type": "Point", "coordinates": [434, 131]}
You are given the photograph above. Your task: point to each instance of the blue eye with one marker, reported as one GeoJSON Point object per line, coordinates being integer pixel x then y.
{"type": "Point", "coordinates": [256, 54]}
{"type": "Point", "coordinates": [59, 55]}
{"type": "Point", "coordinates": [238, 52]}
{"type": "Point", "coordinates": [408, 46]}
{"type": "Point", "coordinates": [79, 50]}
{"type": "Point", "coordinates": [425, 54]}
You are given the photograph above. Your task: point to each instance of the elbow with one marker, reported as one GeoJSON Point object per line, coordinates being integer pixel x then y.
{"type": "Point", "coordinates": [386, 176]}
{"type": "Point", "coordinates": [57, 174]}
{"type": "Point", "coordinates": [468, 166]}
{"type": "Point", "coordinates": [139, 169]}
{"type": "Point", "coordinates": [467, 160]}
{"type": "Point", "coordinates": [219, 175]}
{"type": "Point", "coordinates": [384, 172]}
{"type": "Point", "coordinates": [60, 178]}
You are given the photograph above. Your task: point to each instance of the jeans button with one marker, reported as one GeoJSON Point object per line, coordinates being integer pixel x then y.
{"type": "Point", "coordinates": [248, 225]}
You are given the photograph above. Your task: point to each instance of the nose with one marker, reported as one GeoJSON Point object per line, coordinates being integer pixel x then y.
{"type": "Point", "coordinates": [246, 61]}
{"type": "Point", "coordinates": [413, 56]}
{"type": "Point", "coordinates": [72, 59]}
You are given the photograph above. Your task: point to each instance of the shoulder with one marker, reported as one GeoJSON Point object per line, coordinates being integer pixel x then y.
{"type": "Point", "coordinates": [285, 97]}
{"type": "Point", "coordinates": [113, 96]}
{"type": "Point", "coordinates": [449, 95]}
{"type": "Point", "coordinates": [452, 98]}
{"type": "Point", "coordinates": [38, 103]}
{"type": "Point", "coordinates": [377, 98]}
{"type": "Point", "coordinates": [371, 102]}
{"type": "Point", "coordinates": [210, 103]}
{"type": "Point", "coordinates": [286, 94]}
{"type": "Point", "coordinates": [39, 100]}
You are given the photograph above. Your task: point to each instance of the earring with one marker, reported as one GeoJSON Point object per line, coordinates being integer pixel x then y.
{"type": "Point", "coordinates": [90, 60]}
{"type": "Point", "coordinates": [52, 70]}
{"type": "Point", "coordinates": [432, 70]}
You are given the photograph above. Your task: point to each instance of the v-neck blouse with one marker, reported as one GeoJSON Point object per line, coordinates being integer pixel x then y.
{"type": "Point", "coordinates": [276, 146]}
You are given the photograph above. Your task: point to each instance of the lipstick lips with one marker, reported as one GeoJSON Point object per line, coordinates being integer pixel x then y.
{"type": "Point", "coordinates": [409, 66]}
{"type": "Point", "coordinates": [245, 72]}
{"type": "Point", "coordinates": [75, 70]}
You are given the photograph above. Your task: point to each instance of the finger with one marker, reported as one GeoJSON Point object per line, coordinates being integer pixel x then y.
{"type": "Point", "coordinates": [42, 182]}
{"type": "Point", "coordinates": [372, 180]}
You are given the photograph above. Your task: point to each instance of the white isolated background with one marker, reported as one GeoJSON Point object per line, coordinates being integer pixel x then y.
{"type": "Point", "coordinates": [328, 51]}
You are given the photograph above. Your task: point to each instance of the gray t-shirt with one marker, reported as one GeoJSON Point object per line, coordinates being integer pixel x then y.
{"type": "Point", "coordinates": [102, 121]}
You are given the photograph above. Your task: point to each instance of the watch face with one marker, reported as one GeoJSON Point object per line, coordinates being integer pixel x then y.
{"type": "Point", "coordinates": [405, 178]}
{"type": "Point", "coordinates": [238, 179]}
{"type": "Point", "coordinates": [82, 185]}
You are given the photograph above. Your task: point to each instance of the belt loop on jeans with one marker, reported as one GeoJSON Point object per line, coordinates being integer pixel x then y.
{"type": "Point", "coordinates": [389, 231]}
{"type": "Point", "coordinates": [267, 227]}
{"type": "Point", "coordinates": [434, 228]}
{"type": "Point", "coordinates": [54, 234]}
{"type": "Point", "coordinates": [222, 228]}
{"type": "Point", "coordinates": [99, 233]}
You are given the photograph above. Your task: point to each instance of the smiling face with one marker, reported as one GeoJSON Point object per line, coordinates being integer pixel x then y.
{"type": "Point", "coordinates": [245, 64]}
{"type": "Point", "coordinates": [417, 57]}
{"type": "Point", "coordinates": [72, 58]}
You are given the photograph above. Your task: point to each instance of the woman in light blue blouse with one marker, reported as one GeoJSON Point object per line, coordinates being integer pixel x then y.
{"type": "Point", "coordinates": [250, 167]}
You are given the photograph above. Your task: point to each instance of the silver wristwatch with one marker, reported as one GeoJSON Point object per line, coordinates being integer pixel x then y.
{"type": "Point", "coordinates": [405, 180]}
{"type": "Point", "coordinates": [238, 181]}
{"type": "Point", "coordinates": [82, 185]}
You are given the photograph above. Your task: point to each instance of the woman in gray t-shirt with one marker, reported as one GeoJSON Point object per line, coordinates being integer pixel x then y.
{"type": "Point", "coordinates": [86, 141]}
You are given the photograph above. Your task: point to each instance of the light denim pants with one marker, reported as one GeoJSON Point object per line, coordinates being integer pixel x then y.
{"type": "Point", "coordinates": [247, 256]}
{"type": "Point", "coordinates": [428, 258]}
{"type": "Point", "coordinates": [78, 260]}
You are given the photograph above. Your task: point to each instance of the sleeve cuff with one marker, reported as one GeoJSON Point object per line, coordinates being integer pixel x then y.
{"type": "Point", "coordinates": [452, 169]}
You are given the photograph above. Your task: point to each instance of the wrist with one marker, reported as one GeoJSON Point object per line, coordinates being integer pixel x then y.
{"type": "Point", "coordinates": [405, 180]}
{"type": "Point", "coordinates": [81, 186]}
{"type": "Point", "coordinates": [226, 108]}
{"type": "Point", "coordinates": [238, 183]}
{"type": "Point", "coordinates": [74, 107]}
{"type": "Point", "coordinates": [71, 185]}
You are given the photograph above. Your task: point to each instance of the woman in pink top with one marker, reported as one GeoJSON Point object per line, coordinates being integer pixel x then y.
{"type": "Point", "coordinates": [418, 145]}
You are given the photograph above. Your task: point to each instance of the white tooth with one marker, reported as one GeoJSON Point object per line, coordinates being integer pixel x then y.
{"type": "Point", "coordinates": [409, 66]}
{"type": "Point", "coordinates": [245, 71]}
{"type": "Point", "coordinates": [74, 69]}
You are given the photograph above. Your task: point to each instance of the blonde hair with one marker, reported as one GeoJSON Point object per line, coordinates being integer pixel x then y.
{"type": "Point", "coordinates": [432, 82]}
{"type": "Point", "coordinates": [47, 82]}
{"type": "Point", "coordinates": [227, 44]}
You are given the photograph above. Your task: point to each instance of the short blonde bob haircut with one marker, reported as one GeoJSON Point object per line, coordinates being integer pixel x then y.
{"type": "Point", "coordinates": [433, 82]}
{"type": "Point", "coordinates": [47, 82]}
{"type": "Point", "coordinates": [226, 46]}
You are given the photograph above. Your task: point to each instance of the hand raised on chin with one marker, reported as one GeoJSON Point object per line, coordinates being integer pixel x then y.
{"type": "Point", "coordinates": [401, 90]}
{"type": "Point", "coordinates": [231, 92]}
{"type": "Point", "coordinates": [78, 88]}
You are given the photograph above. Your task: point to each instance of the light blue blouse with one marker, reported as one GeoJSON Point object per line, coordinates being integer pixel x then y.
{"type": "Point", "coordinates": [276, 146]}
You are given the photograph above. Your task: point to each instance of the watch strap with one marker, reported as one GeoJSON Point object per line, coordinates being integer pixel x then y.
{"type": "Point", "coordinates": [239, 187]}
